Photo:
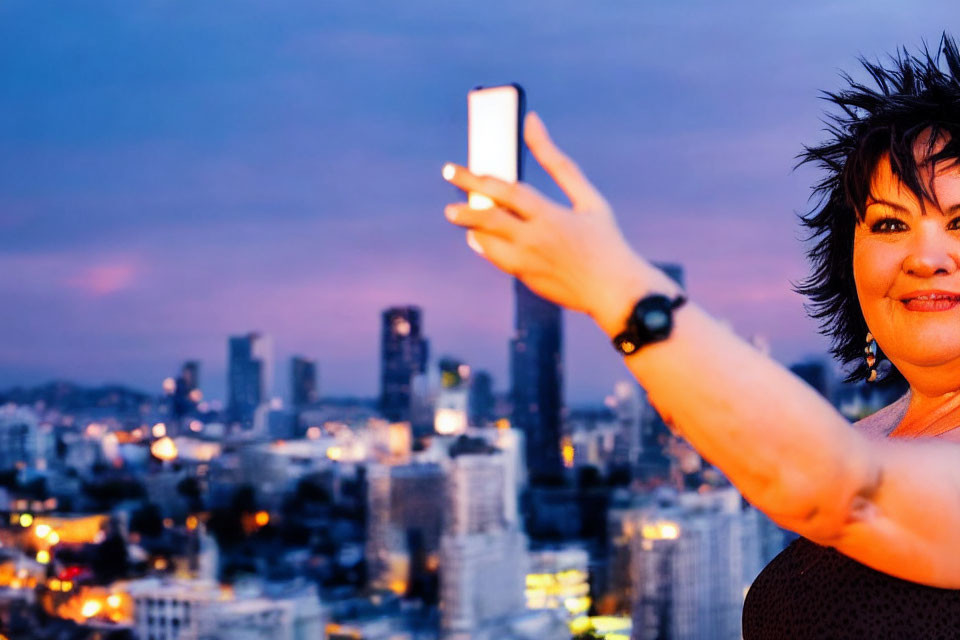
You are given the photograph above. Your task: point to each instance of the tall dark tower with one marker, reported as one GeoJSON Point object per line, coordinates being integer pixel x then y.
{"type": "Point", "coordinates": [186, 394]}
{"type": "Point", "coordinates": [303, 381]}
{"type": "Point", "coordinates": [536, 382]}
{"type": "Point", "coordinates": [654, 432]}
{"type": "Point", "coordinates": [250, 374]}
{"type": "Point", "coordinates": [403, 354]}
{"type": "Point", "coordinates": [481, 399]}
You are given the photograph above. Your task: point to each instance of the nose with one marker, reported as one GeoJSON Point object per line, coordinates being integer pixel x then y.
{"type": "Point", "coordinates": [934, 251]}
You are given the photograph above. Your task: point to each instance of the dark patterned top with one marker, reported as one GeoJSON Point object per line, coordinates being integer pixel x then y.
{"type": "Point", "coordinates": [813, 591]}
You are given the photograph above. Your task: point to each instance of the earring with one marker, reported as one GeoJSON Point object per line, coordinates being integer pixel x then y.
{"type": "Point", "coordinates": [871, 357]}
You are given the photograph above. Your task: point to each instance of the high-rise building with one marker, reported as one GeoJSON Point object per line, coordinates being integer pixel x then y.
{"type": "Point", "coordinates": [482, 553]}
{"type": "Point", "coordinates": [403, 354]}
{"type": "Point", "coordinates": [655, 433]}
{"type": "Point", "coordinates": [403, 527]}
{"type": "Point", "coordinates": [186, 393]}
{"type": "Point", "coordinates": [20, 439]}
{"type": "Point", "coordinates": [536, 369]}
{"type": "Point", "coordinates": [250, 374]}
{"type": "Point", "coordinates": [690, 564]}
{"type": "Point", "coordinates": [482, 402]}
{"type": "Point", "coordinates": [303, 381]}
{"type": "Point", "coordinates": [450, 414]}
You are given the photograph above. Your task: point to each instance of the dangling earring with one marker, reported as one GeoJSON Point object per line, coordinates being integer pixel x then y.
{"type": "Point", "coordinates": [871, 351]}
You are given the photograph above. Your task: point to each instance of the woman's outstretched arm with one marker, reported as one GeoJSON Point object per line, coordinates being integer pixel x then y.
{"type": "Point", "coordinates": [787, 450]}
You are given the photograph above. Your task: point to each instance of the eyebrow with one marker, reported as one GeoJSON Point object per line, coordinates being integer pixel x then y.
{"type": "Point", "coordinates": [952, 209]}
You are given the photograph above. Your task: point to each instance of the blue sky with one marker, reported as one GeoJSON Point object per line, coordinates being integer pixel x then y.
{"type": "Point", "coordinates": [175, 172]}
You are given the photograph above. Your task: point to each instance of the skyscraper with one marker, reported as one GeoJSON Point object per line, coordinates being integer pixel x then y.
{"type": "Point", "coordinates": [536, 371]}
{"type": "Point", "coordinates": [483, 555]}
{"type": "Point", "coordinates": [403, 354]}
{"type": "Point", "coordinates": [186, 393]}
{"type": "Point", "coordinates": [250, 376]}
{"type": "Point", "coordinates": [481, 399]}
{"type": "Point", "coordinates": [654, 431]}
{"type": "Point", "coordinates": [303, 381]}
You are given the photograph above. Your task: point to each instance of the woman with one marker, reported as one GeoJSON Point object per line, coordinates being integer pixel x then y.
{"type": "Point", "coordinates": [878, 516]}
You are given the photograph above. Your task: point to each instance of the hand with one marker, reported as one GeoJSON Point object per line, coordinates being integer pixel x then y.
{"type": "Point", "coordinates": [573, 256]}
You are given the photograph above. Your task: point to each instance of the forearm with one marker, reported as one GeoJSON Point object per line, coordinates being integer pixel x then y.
{"type": "Point", "coordinates": [788, 451]}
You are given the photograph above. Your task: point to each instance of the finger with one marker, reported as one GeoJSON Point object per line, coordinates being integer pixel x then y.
{"type": "Point", "coordinates": [495, 249]}
{"type": "Point", "coordinates": [495, 220]}
{"type": "Point", "coordinates": [563, 170]}
{"type": "Point", "coordinates": [518, 197]}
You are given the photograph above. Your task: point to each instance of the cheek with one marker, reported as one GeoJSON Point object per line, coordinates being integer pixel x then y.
{"type": "Point", "coordinates": [875, 269]}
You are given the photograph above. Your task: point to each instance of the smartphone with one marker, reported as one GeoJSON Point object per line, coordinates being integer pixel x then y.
{"type": "Point", "coordinates": [494, 135]}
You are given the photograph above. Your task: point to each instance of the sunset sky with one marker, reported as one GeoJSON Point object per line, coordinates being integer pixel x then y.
{"type": "Point", "coordinates": [175, 172]}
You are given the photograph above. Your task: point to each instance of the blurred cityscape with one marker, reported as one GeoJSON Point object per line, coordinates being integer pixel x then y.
{"type": "Point", "coordinates": [442, 508]}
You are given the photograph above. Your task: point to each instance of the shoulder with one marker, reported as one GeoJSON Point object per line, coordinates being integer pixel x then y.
{"type": "Point", "coordinates": [882, 422]}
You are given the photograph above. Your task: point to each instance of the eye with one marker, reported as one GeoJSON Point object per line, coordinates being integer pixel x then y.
{"type": "Point", "coordinates": [955, 222]}
{"type": "Point", "coordinates": [889, 225]}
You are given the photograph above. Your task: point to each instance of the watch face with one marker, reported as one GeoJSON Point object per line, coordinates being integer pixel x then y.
{"type": "Point", "coordinates": [656, 319]}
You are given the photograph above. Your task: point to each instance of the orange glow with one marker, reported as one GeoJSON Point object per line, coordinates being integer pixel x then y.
{"type": "Point", "coordinates": [165, 449]}
{"type": "Point", "coordinates": [503, 424]}
{"type": "Point", "coordinates": [567, 452]}
{"type": "Point", "coordinates": [42, 530]}
{"type": "Point", "coordinates": [113, 601]}
{"type": "Point", "coordinates": [262, 518]}
{"type": "Point", "coordinates": [53, 538]}
{"type": "Point", "coordinates": [91, 608]}
{"type": "Point", "coordinates": [192, 522]}
{"type": "Point", "coordinates": [160, 564]}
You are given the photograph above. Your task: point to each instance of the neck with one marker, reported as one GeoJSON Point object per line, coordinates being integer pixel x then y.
{"type": "Point", "coordinates": [929, 414]}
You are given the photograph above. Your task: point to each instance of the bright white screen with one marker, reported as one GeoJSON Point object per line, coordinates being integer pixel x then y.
{"type": "Point", "coordinates": [493, 136]}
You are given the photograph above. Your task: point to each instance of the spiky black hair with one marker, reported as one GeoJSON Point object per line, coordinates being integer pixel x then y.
{"type": "Point", "coordinates": [913, 96]}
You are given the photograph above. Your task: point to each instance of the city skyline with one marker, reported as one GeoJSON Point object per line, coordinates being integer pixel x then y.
{"type": "Point", "coordinates": [178, 177]}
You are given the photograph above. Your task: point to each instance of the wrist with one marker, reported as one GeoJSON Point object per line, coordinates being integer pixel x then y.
{"type": "Point", "coordinates": [637, 279]}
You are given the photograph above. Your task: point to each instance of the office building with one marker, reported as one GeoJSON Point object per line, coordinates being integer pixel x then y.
{"type": "Point", "coordinates": [536, 369]}
{"type": "Point", "coordinates": [303, 382]}
{"type": "Point", "coordinates": [404, 354]}
{"type": "Point", "coordinates": [250, 376]}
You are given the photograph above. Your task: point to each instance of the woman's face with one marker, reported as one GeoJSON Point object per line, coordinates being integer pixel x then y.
{"type": "Point", "coordinates": [899, 253]}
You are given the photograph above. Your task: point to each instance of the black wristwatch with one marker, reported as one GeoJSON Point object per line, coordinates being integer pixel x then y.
{"type": "Point", "coordinates": [650, 321]}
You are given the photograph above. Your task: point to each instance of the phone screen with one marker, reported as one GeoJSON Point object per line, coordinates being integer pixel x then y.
{"type": "Point", "coordinates": [493, 139]}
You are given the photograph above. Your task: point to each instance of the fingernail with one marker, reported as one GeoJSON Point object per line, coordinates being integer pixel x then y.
{"type": "Point", "coordinates": [472, 241]}
{"type": "Point", "coordinates": [448, 171]}
{"type": "Point", "coordinates": [450, 212]}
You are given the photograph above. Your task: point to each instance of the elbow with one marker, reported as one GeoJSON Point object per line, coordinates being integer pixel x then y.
{"type": "Point", "coordinates": [823, 505]}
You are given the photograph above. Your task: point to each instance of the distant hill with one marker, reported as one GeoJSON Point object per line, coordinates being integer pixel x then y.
{"type": "Point", "coordinates": [65, 396]}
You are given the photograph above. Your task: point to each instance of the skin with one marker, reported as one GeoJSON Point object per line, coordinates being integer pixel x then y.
{"type": "Point", "coordinates": [899, 248]}
{"type": "Point", "coordinates": [891, 503]}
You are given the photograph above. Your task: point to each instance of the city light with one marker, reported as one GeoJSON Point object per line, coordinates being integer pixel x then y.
{"type": "Point", "coordinates": [159, 430]}
{"type": "Point", "coordinates": [660, 531]}
{"type": "Point", "coordinates": [53, 538]}
{"type": "Point", "coordinates": [169, 386]}
{"type": "Point", "coordinates": [567, 452]}
{"type": "Point", "coordinates": [164, 448]}
{"type": "Point", "coordinates": [42, 530]}
{"type": "Point", "coordinates": [262, 518]}
{"type": "Point", "coordinates": [449, 422]}
{"type": "Point", "coordinates": [26, 520]}
{"type": "Point", "coordinates": [91, 608]}
{"type": "Point", "coordinates": [43, 556]}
